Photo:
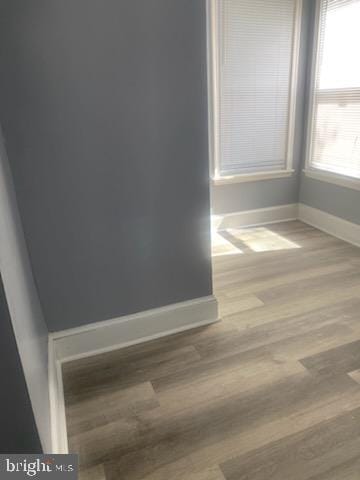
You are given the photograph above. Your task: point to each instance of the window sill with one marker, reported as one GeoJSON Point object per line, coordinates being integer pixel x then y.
{"type": "Point", "coordinates": [335, 178]}
{"type": "Point", "coordinates": [251, 177]}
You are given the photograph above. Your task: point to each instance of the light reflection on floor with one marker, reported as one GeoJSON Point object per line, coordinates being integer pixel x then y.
{"type": "Point", "coordinates": [235, 241]}
{"type": "Point", "coordinates": [220, 246]}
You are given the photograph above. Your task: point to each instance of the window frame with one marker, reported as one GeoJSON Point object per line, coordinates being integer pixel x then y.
{"type": "Point", "coordinates": [213, 101]}
{"type": "Point", "coordinates": [316, 173]}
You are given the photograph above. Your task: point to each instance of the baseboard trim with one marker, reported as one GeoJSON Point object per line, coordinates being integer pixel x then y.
{"type": "Point", "coordinates": [118, 333]}
{"type": "Point", "coordinates": [59, 439]}
{"type": "Point", "coordinates": [122, 332]}
{"type": "Point", "coordinates": [251, 218]}
{"type": "Point", "coordinates": [336, 226]}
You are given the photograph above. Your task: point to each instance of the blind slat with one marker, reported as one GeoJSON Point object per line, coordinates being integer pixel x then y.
{"type": "Point", "coordinates": [255, 64]}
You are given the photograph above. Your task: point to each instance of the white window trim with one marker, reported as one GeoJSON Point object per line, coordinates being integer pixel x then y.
{"type": "Point", "coordinates": [213, 101]}
{"type": "Point", "coordinates": [309, 171]}
{"type": "Point", "coordinates": [252, 177]}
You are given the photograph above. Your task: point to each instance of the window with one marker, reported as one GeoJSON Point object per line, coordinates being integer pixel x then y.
{"type": "Point", "coordinates": [254, 52]}
{"type": "Point", "coordinates": [334, 124]}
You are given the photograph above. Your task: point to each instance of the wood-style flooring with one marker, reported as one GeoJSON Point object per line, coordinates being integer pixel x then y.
{"type": "Point", "coordinates": [270, 393]}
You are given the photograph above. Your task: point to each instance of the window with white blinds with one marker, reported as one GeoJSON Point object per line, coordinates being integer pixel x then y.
{"type": "Point", "coordinates": [334, 126]}
{"type": "Point", "coordinates": [256, 49]}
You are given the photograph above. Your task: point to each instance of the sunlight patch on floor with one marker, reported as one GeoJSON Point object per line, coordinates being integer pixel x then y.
{"type": "Point", "coordinates": [261, 239]}
{"type": "Point", "coordinates": [220, 246]}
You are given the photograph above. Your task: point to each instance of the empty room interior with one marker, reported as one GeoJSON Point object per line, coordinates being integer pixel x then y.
{"type": "Point", "coordinates": [179, 237]}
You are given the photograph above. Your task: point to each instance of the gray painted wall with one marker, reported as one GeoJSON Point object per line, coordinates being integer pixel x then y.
{"type": "Point", "coordinates": [104, 110]}
{"type": "Point", "coordinates": [239, 197]}
{"type": "Point", "coordinates": [334, 199]}
{"type": "Point", "coordinates": [18, 433]}
{"type": "Point", "coordinates": [252, 195]}
{"type": "Point", "coordinates": [25, 310]}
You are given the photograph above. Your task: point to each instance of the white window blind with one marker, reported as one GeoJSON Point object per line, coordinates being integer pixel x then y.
{"type": "Point", "coordinates": [335, 112]}
{"type": "Point", "coordinates": [256, 42]}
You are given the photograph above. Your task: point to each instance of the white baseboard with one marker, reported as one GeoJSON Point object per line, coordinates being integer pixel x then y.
{"type": "Point", "coordinates": [250, 218]}
{"type": "Point", "coordinates": [336, 226]}
{"type": "Point", "coordinates": [114, 334]}
{"type": "Point", "coordinates": [59, 440]}
{"type": "Point", "coordinates": [129, 330]}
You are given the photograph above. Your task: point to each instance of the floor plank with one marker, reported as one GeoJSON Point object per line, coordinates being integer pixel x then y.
{"type": "Point", "coordinates": [300, 456]}
{"type": "Point", "coordinates": [342, 359]}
